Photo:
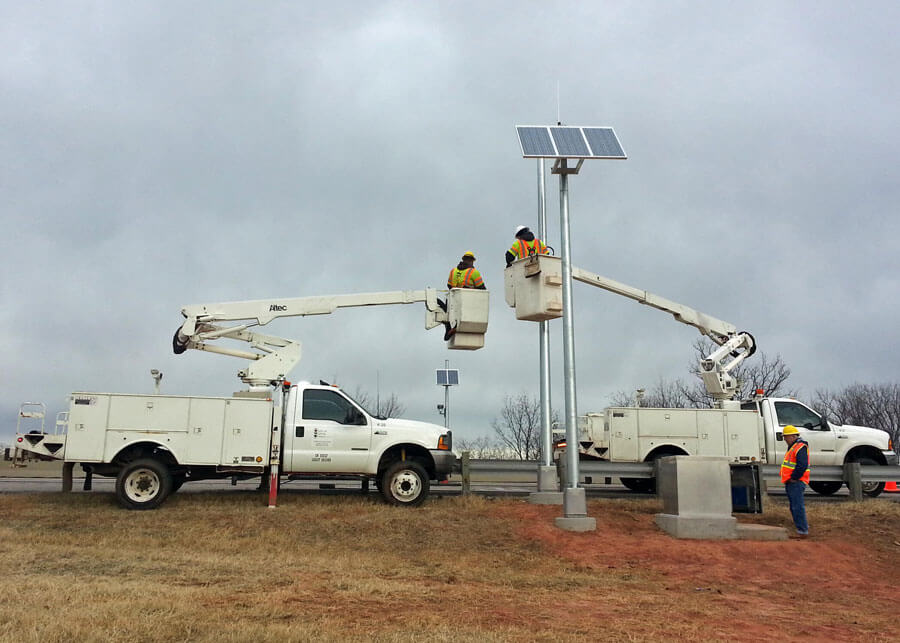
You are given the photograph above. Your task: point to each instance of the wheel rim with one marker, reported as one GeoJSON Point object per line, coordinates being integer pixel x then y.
{"type": "Point", "coordinates": [870, 486]}
{"type": "Point", "coordinates": [142, 485]}
{"type": "Point", "coordinates": [406, 485]}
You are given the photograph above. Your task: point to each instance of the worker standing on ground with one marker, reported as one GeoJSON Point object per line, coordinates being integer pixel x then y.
{"type": "Point", "coordinates": [463, 276]}
{"type": "Point", "coordinates": [525, 245]}
{"type": "Point", "coordinates": [795, 476]}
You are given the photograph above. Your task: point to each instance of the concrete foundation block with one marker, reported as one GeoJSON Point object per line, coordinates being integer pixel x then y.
{"type": "Point", "coordinates": [574, 502]}
{"type": "Point", "coordinates": [546, 498]}
{"type": "Point", "coordinates": [576, 523]}
{"type": "Point", "coordinates": [761, 532]}
{"type": "Point", "coordinates": [547, 479]}
{"type": "Point", "coordinates": [698, 527]}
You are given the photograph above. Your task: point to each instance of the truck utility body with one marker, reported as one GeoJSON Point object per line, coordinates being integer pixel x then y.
{"type": "Point", "coordinates": [153, 444]}
{"type": "Point", "coordinates": [751, 434]}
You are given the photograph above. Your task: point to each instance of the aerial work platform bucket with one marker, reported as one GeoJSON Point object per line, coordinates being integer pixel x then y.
{"type": "Point", "coordinates": [533, 286]}
{"type": "Point", "coordinates": [467, 312]}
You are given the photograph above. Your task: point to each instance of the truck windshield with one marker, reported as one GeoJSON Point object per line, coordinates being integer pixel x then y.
{"type": "Point", "coordinates": [365, 407]}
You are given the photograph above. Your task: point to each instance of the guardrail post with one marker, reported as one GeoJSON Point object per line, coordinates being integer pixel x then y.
{"type": "Point", "coordinates": [68, 467]}
{"type": "Point", "coordinates": [88, 480]}
{"type": "Point", "coordinates": [853, 478]}
{"type": "Point", "coordinates": [466, 479]}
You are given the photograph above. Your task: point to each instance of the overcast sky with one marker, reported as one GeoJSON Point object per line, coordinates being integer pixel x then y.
{"type": "Point", "coordinates": [159, 154]}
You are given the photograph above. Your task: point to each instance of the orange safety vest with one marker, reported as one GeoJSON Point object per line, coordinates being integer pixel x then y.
{"type": "Point", "coordinates": [469, 278]}
{"type": "Point", "coordinates": [521, 249]}
{"type": "Point", "coordinates": [790, 462]}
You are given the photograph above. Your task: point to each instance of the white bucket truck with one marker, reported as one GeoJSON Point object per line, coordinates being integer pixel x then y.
{"type": "Point", "coordinates": [152, 444]}
{"type": "Point", "coordinates": [745, 431]}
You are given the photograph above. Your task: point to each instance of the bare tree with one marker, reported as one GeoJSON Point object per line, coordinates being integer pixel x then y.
{"type": "Point", "coordinates": [389, 406]}
{"type": "Point", "coordinates": [480, 448]}
{"type": "Point", "coordinates": [518, 428]}
{"type": "Point", "coordinates": [665, 394]}
{"type": "Point", "coordinates": [757, 372]}
{"type": "Point", "coordinates": [874, 405]}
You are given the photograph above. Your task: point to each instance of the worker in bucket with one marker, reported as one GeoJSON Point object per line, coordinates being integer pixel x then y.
{"type": "Point", "coordinates": [525, 245]}
{"type": "Point", "coordinates": [463, 276]}
{"type": "Point", "coordinates": [795, 476]}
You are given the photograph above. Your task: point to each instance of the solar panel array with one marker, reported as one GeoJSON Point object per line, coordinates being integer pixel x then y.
{"type": "Point", "coordinates": [568, 142]}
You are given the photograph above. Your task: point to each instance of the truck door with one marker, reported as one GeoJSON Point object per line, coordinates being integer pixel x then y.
{"type": "Point", "coordinates": [821, 439]}
{"type": "Point", "coordinates": [329, 434]}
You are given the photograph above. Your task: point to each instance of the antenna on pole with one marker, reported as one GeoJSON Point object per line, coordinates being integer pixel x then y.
{"type": "Point", "coordinates": [558, 119]}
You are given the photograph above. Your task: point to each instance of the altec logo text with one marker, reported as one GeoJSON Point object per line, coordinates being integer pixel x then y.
{"type": "Point", "coordinates": [277, 308]}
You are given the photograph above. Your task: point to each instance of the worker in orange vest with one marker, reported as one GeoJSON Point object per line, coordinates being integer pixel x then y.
{"type": "Point", "coordinates": [795, 476]}
{"type": "Point", "coordinates": [463, 276]}
{"type": "Point", "coordinates": [525, 245]}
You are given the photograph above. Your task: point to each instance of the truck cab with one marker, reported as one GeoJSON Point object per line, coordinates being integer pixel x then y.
{"type": "Point", "coordinates": [329, 432]}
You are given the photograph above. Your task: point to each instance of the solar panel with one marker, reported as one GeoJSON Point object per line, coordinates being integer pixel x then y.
{"type": "Point", "coordinates": [557, 142]}
{"type": "Point", "coordinates": [447, 377]}
{"type": "Point", "coordinates": [570, 142]}
{"type": "Point", "coordinates": [603, 142]}
{"type": "Point", "coordinates": [535, 141]}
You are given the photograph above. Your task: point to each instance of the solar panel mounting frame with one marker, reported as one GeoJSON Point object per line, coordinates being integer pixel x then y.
{"type": "Point", "coordinates": [547, 130]}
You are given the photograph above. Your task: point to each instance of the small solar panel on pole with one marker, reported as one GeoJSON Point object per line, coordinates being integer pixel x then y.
{"type": "Point", "coordinates": [563, 143]}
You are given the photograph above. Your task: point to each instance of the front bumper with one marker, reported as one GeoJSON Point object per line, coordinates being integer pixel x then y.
{"type": "Point", "coordinates": [443, 462]}
{"type": "Point", "coordinates": [891, 457]}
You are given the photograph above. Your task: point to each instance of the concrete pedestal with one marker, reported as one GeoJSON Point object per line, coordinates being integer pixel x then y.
{"type": "Point", "coordinates": [575, 516]}
{"type": "Point", "coordinates": [548, 488]}
{"type": "Point", "coordinates": [696, 495]}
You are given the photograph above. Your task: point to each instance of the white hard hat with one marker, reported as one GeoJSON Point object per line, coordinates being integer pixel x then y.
{"type": "Point", "coordinates": [520, 228]}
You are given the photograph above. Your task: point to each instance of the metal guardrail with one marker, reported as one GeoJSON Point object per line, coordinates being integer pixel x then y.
{"type": "Point", "coordinates": [852, 473]}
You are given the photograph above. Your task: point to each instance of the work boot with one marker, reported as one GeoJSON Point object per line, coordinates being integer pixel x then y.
{"type": "Point", "coordinates": [448, 332]}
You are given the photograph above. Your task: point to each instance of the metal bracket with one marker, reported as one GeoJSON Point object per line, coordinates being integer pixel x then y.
{"type": "Point", "coordinates": [560, 167]}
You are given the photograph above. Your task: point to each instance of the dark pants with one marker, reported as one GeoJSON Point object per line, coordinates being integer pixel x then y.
{"type": "Point", "coordinates": [795, 489]}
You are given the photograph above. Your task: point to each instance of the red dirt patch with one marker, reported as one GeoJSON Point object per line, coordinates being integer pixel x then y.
{"type": "Point", "coordinates": [736, 590]}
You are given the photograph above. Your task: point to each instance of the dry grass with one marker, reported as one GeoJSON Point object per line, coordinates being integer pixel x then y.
{"type": "Point", "coordinates": [333, 568]}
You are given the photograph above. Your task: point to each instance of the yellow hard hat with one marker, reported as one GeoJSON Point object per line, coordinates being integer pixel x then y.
{"type": "Point", "coordinates": [468, 253]}
{"type": "Point", "coordinates": [790, 429]}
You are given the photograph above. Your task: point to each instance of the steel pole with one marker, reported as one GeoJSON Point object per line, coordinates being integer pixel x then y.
{"type": "Point", "coordinates": [447, 395]}
{"type": "Point", "coordinates": [568, 330]}
{"type": "Point", "coordinates": [544, 330]}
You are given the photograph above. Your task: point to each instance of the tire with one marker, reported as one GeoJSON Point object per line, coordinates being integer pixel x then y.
{"type": "Point", "coordinates": [143, 484]}
{"type": "Point", "coordinates": [639, 485]}
{"type": "Point", "coordinates": [405, 483]}
{"type": "Point", "coordinates": [826, 488]}
{"type": "Point", "coordinates": [871, 489]}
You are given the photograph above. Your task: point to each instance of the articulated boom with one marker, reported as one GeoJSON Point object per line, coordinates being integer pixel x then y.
{"type": "Point", "coordinates": [534, 288]}
{"type": "Point", "coordinates": [273, 357]}
{"type": "Point", "coordinates": [715, 368]}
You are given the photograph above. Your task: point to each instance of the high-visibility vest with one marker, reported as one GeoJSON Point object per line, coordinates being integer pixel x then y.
{"type": "Point", "coordinates": [522, 248]}
{"type": "Point", "coordinates": [469, 278]}
{"type": "Point", "coordinates": [790, 462]}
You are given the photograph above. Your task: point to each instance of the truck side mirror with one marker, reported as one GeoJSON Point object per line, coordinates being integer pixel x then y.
{"type": "Point", "coordinates": [779, 437]}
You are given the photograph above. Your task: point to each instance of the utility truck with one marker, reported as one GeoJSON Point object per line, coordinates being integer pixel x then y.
{"type": "Point", "coordinates": [745, 431]}
{"type": "Point", "coordinates": [152, 444]}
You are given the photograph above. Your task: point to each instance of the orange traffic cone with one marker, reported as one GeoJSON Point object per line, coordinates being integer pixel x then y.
{"type": "Point", "coordinates": [892, 487]}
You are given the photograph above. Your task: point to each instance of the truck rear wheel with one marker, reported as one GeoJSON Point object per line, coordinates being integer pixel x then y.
{"type": "Point", "coordinates": [405, 483]}
{"type": "Point", "coordinates": [639, 485]}
{"type": "Point", "coordinates": [826, 488]}
{"type": "Point", "coordinates": [143, 484]}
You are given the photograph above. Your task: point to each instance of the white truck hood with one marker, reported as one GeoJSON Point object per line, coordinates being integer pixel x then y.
{"type": "Point", "coordinates": [866, 433]}
{"type": "Point", "coordinates": [425, 433]}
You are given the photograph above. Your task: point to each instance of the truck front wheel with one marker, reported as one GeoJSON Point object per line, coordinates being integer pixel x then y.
{"type": "Point", "coordinates": [143, 484]}
{"type": "Point", "coordinates": [871, 489]}
{"type": "Point", "coordinates": [405, 483]}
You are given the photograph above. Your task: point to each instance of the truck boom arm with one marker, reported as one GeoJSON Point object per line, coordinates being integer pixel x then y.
{"type": "Point", "coordinates": [716, 368]}
{"type": "Point", "coordinates": [276, 356]}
